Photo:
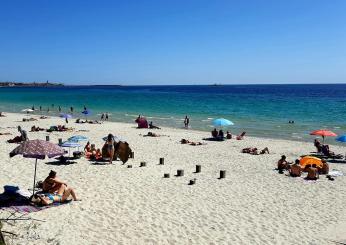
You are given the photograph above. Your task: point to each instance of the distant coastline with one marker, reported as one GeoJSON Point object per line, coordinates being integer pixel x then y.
{"type": "Point", "coordinates": [33, 84]}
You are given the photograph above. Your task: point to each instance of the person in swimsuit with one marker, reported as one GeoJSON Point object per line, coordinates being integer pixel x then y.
{"type": "Point", "coordinates": [110, 147]}
{"type": "Point", "coordinates": [52, 184]}
{"type": "Point", "coordinates": [49, 198]}
{"type": "Point", "coordinates": [295, 169]}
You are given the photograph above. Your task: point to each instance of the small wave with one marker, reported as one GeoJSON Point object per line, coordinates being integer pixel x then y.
{"type": "Point", "coordinates": [210, 118]}
{"type": "Point", "coordinates": [336, 127]}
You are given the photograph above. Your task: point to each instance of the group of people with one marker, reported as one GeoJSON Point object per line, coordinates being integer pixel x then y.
{"type": "Point", "coordinates": [295, 169]}
{"type": "Point", "coordinates": [91, 152]}
{"type": "Point", "coordinates": [219, 135]}
{"type": "Point", "coordinates": [53, 190]}
{"type": "Point", "coordinates": [104, 117]}
{"type": "Point", "coordinates": [255, 151]}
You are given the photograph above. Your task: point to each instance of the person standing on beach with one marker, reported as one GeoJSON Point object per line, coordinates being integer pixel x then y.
{"type": "Point", "coordinates": [102, 116]}
{"type": "Point", "coordinates": [59, 108]}
{"type": "Point", "coordinates": [40, 108]}
{"type": "Point", "coordinates": [71, 108]}
{"type": "Point", "coordinates": [110, 147]}
{"type": "Point", "coordinates": [106, 116]}
{"type": "Point", "coordinates": [186, 122]}
{"type": "Point", "coordinates": [85, 108]}
{"type": "Point", "coordinates": [33, 108]}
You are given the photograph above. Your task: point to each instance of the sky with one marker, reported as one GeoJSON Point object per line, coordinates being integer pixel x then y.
{"type": "Point", "coordinates": [173, 41]}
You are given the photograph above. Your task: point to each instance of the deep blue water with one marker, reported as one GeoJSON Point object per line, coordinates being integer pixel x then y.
{"type": "Point", "coordinates": [261, 110]}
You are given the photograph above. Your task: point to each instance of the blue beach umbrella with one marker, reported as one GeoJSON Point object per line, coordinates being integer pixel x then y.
{"type": "Point", "coordinates": [65, 115]}
{"type": "Point", "coordinates": [70, 145]}
{"type": "Point", "coordinates": [86, 113]}
{"type": "Point", "coordinates": [341, 138]}
{"type": "Point", "coordinates": [221, 122]}
{"type": "Point", "coordinates": [77, 138]}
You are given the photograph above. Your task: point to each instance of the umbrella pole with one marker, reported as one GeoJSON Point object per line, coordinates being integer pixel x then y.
{"type": "Point", "coordinates": [33, 189]}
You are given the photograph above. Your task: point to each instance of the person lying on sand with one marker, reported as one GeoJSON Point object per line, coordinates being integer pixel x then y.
{"type": "Point", "coordinates": [43, 117]}
{"type": "Point", "coordinates": [185, 141]}
{"type": "Point", "coordinates": [36, 129]}
{"type": "Point", "coordinates": [5, 133]}
{"type": "Point", "coordinates": [50, 198]}
{"type": "Point", "coordinates": [254, 151]}
{"type": "Point", "coordinates": [29, 119]}
{"type": "Point", "coordinates": [152, 126]}
{"type": "Point", "coordinates": [151, 134]}
{"type": "Point", "coordinates": [295, 170]}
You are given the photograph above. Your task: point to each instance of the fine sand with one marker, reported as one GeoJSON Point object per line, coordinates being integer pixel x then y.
{"type": "Point", "coordinates": [252, 205]}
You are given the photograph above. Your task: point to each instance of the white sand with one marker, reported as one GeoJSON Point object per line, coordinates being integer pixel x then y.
{"type": "Point", "coordinates": [253, 205]}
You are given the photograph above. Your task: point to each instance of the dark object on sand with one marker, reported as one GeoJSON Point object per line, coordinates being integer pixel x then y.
{"type": "Point", "coordinates": [121, 150]}
{"type": "Point", "coordinates": [129, 166]}
{"type": "Point", "coordinates": [192, 182]}
{"type": "Point", "coordinates": [222, 174]}
{"type": "Point", "coordinates": [180, 173]}
{"type": "Point", "coordinates": [47, 138]}
{"type": "Point", "coordinates": [165, 175]}
{"type": "Point", "coordinates": [198, 168]}
{"type": "Point", "coordinates": [162, 161]}
{"type": "Point", "coordinates": [132, 154]}
{"type": "Point", "coordinates": [143, 164]}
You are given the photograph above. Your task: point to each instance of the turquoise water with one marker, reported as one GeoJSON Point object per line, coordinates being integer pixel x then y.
{"type": "Point", "coordinates": [261, 110]}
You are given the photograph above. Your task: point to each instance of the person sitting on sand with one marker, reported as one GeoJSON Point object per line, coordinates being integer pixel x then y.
{"type": "Point", "coordinates": [295, 169]}
{"type": "Point", "coordinates": [282, 163]}
{"type": "Point", "coordinates": [312, 173]}
{"type": "Point", "coordinates": [228, 135]}
{"type": "Point", "coordinates": [23, 136]}
{"type": "Point", "coordinates": [220, 134]}
{"type": "Point", "coordinates": [36, 129]}
{"type": "Point", "coordinates": [87, 147]}
{"type": "Point", "coordinates": [241, 136]}
{"type": "Point", "coordinates": [325, 167]}
{"type": "Point", "coordinates": [214, 133]}
{"type": "Point", "coordinates": [152, 126]}
{"type": "Point", "coordinates": [318, 145]}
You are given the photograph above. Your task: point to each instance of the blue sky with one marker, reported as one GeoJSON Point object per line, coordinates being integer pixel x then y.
{"type": "Point", "coordinates": [173, 42]}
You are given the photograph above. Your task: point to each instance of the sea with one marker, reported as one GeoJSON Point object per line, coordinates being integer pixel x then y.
{"type": "Point", "coordinates": [260, 110]}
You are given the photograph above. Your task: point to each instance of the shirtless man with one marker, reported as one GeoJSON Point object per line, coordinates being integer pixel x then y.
{"type": "Point", "coordinates": [295, 170]}
{"type": "Point", "coordinates": [325, 167]}
{"type": "Point", "coordinates": [312, 173]}
{"type": "Point", "coordinates": [282, 163]}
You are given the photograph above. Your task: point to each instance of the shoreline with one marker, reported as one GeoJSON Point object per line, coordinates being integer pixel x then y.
{"type": "Point", "coordinates": [72, 120]}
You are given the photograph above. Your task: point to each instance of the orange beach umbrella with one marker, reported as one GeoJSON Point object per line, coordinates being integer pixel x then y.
{"type": "Point", "coordinates": [323, 133]}
{"type": "Point", "coordinates": [309, 160]}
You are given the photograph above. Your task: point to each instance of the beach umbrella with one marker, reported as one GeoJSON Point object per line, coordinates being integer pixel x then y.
{"type": "Point", "coordinates": [37, 149]}
{"type": "Point", "coordinates": [341, 138]}
{"type": "Point", "coordinates": [69, 145]}
{"type": "Point", "coordinates": [77, 138]}
{"type": "Point", "coordinates": [309, 160]}
{"type": "Point", "coordinates": [27, 110]}
{"type": "Point", "coordinates": [323, 133]}
{"type": "Point", "coordinates": [65, 115]}
{"type": "Point", "coordinates": [86, 113]}
{"type": "Point", "coordinates": [221, 122]}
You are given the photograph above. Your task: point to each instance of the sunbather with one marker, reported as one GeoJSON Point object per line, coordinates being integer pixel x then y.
{"type": "Point", "coordinates": [49, 198]}
{"type": "Point", "coordinates": [214, 133]}
{"type": "Point", "coordinates": [23, 136]}
{"type": "Point", "coordinates": [228, 135]}
{"type": "Point", "coordinates": [185, 141]}
{"type": "Point", "coordinates": [328, 153]}
{"type": "Point", "coordinates": [282, 163]}
{"type": "Point", "coordinates": [295, 170]}
{"type": "Point", "coordinates": [318, 145]}
{"type": "Point", "coordinates": [52, 184]}
{"type": "Point", "coordinates": [151, 134]}
{"type": "Point", "coordinates": [152, 126]}
{"type": "Point", "coordinates": [29, 119]}
{"type": "Point", "coordinates": [241, 136]}
{"type": "Point", "coordinates": [312, 173]}
{"type": "Point", "coordinates": [325, 167]}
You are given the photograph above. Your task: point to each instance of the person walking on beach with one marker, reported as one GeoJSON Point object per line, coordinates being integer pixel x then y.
{"type": "Point", "coordinates": [71, 108]}
{"type": "Point", "coordinates": [85, 108]}
{"type": "Point", "coordinates": [110, 147]}
{"type": "Point", "coordinates": [59, 108]}
{"type": "Point", "coordinates": [186, 122]}
{"type": "Point", "coordinates": [102, 116]}
{"type": "Point", "coordinates": [106, 116]}
{"type": "Point", "coordinates": [40, 108]}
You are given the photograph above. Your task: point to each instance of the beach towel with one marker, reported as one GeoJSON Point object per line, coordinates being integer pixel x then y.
{"type": "Point", "coordinates": [335, 173]}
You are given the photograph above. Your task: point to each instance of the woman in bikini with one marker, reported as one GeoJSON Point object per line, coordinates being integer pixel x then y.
{"type": "Point", "coordinates": [110, 147]}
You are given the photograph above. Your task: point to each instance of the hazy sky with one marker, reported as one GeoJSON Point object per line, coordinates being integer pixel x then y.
{"type": "Point", "coordinates": [173, 42]}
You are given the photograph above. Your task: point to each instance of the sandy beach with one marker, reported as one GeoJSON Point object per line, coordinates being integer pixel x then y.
{"type": "Point", "coordinates": [252, 205]}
